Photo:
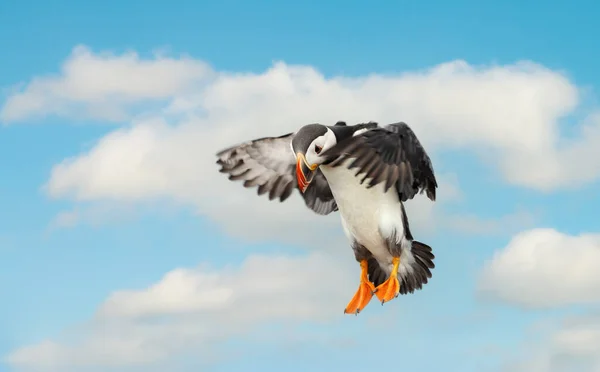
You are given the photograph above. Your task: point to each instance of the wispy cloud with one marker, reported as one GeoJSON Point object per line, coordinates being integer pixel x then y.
{"type": "Point", "coordinates": [197, 309]}
{"type": "Point", "coordinates": [472, 224]}
{"type": "Point", "coordinates": [103, 86]}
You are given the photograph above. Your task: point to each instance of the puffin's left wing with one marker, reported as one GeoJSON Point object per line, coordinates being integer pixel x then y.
{"type": "Point", "coordinates": [269, 163]}
{"type": "Point", "coordinates": [393, 155]}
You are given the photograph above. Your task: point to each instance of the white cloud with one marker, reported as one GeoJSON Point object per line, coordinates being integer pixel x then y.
{"type": "Point", "coordinates": [572, 345]}
{"type": "Point", "coordinates": [543, 268]}
{"type": "Point", "coordinates": [94, 214]}
{"type": "Point", "coordinates": [507, 114]}
{"type": "Point", "coordinates": [193, 310]}
{"type": "Point", "coordinates": [472, 224]}
{"type": "Point", "coordinates": [103, 85]}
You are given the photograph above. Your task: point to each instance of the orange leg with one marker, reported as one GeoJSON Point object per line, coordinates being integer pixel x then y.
{"type": "Point", "coordinates": [363, 294]}
{"type": "Point", "coordinates": [389, 289]}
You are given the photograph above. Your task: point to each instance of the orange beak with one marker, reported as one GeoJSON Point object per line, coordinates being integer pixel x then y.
{"type": "Point", "coordinates": [304, 172]}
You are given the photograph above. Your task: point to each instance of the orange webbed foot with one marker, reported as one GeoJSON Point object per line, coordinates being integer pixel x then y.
{"type": "Point", "coordinates": [389, 289]}
{"type": "Point", "coordinates": [363, 295]}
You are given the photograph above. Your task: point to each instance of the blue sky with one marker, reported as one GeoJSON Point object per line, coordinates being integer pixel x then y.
{"type": "Point", "coordinates": [73, 235]}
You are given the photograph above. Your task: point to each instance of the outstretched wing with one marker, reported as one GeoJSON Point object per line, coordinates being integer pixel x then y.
{"type": "Point", "coordinates": [393, 155]}
{"type": "Point", "coordinates": [269, 164]}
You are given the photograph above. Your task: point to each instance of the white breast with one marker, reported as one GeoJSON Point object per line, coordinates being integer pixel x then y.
{"type": "Point", "coordinates": [368, 215]}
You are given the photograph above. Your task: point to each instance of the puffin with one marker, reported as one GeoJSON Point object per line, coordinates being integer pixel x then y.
{"type": "Point", "coordinates": [366, 172]}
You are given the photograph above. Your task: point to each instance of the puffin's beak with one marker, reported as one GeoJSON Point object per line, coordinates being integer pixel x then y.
{"type": "Point", "coordinates": [304, 172]}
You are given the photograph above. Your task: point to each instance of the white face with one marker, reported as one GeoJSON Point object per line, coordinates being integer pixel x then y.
{"type": "Point", "coordinates": [318, 146]}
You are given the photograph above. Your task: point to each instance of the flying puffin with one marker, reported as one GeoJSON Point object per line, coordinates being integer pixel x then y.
{"type": "Point", "coordinates": [366, 172]}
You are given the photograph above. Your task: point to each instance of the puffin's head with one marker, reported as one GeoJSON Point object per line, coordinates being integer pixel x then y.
{"type": "Point", "coordinates": [308, 143]}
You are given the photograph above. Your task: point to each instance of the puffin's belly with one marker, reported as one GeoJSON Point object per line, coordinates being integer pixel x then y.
{"type": "Point", "coordinates": [364, 209]}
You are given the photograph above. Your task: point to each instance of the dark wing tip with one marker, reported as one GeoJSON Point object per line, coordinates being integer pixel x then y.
{"type": "Point", "coordinates": [430, 190]}
{"type": "Point", "coordinates": [220, 153]}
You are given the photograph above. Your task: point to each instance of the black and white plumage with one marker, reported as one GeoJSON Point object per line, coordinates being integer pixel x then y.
{"type": "Point", "coordinates": [269, 164]}
{"type": "Point", "coordinates": [392, 155]}
{"type": "Point", "coordinates": [365, 172]}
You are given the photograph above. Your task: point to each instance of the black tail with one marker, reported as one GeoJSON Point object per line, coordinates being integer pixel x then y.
{"type": "Point", "coordinates": [422, 266]}
{"type": "Point", "coordinates": [411, 279]}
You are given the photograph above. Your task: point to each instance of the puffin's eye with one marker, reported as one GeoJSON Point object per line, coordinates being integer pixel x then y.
{"type": "Point", "coordinates": [318, 149]}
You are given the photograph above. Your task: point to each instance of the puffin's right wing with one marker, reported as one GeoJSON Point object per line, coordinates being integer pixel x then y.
{"type": "Point", "coordinates": [392, 155]}
{"type": "Point", "coordinates": [269, 163]}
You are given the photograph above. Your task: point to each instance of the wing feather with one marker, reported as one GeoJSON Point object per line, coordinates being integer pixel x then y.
{"type": "Point", "coordinates": [269, 164]}
{"type": "Point", "coordinates": [391, 155]}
